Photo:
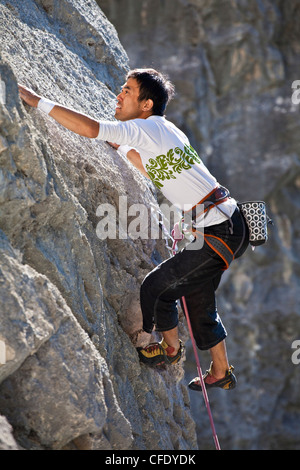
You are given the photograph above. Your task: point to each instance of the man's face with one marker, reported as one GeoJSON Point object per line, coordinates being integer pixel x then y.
{"type": "Point", "coordinates": [128, 106]}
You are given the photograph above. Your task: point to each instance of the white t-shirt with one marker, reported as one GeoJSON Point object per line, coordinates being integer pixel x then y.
{"type": "Point", "coordinates": [170, 161]}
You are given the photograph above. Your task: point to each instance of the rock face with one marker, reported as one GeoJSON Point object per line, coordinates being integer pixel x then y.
{"type": "Point", "coordinates": [234, 64]}
{"type": "Point", "coordinates": [70, 318]}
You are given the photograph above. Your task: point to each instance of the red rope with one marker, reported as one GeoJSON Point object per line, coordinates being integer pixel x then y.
{"type": "Point", "coordinates": [204, 391]}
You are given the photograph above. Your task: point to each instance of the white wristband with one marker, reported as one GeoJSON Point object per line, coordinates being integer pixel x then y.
{"type": "Point", "coordinates": [124, 149]}
{"type": "Point", "coordinates": [45, 105]}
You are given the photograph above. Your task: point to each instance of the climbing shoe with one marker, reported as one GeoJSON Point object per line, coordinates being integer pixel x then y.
{"type": "Point", "coordinates": [157, 354]}
{"type": "Point", "coordinates": [227, 383]}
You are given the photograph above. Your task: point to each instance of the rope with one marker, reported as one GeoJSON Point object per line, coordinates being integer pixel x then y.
{"type": "Point", "coordinates": [204, 391]}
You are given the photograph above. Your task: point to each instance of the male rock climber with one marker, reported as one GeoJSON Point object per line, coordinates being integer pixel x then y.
{"type": "Point", "coordinates": [162, 152]}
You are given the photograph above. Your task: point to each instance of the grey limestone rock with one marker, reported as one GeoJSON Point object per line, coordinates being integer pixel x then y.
{"type": "Point", "coordinates": [70, 317]}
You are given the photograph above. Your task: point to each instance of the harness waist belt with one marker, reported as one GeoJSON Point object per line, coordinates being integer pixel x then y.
{"type": "Point", "coordinates": [217, 196]}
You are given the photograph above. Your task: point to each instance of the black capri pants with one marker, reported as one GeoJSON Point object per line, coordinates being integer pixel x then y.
{"type": "Point", "coordinates": [194, 274]}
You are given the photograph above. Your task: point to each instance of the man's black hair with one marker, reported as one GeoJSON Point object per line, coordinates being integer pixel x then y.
{"type": "Point", "coordinates": [155, 86]}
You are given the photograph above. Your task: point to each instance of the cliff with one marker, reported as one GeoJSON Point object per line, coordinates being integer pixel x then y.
{"type": "Point", "coordinates": [234, 64]}
{"type": "Point", "coordinates": [69, 304]}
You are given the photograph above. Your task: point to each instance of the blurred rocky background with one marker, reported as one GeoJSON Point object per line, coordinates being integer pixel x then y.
{"type": "Point", "coordinates": [69, 310]}
{"type": "Point", "coordinates": [233, 63]}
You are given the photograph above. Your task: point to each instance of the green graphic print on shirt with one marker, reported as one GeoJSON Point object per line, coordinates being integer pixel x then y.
{"type": "Point", "coordinates": [165, 167]}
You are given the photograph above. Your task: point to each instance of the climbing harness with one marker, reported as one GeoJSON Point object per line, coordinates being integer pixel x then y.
{"type": "Point", "coordinates": [217, 196]}
{"type": "Point", "coordinates": [221, 248]}
{"type": "Point", "coordinates": [254, 215]}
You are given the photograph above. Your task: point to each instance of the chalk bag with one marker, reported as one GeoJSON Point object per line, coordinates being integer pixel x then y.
{"type": "Point", "coordinates": [255, 215]}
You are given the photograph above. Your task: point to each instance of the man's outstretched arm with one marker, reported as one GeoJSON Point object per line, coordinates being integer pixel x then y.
{"type": "Point", "coordinates": [72, 120]}
{"type": "Point", "coordinates": [76, 122]}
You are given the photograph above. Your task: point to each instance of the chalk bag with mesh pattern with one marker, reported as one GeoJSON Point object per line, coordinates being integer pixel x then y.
{"type": "Point", "coordinates": [257, 220]}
